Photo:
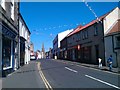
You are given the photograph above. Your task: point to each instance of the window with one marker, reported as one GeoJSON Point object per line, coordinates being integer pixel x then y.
{"type": "Point", "coordinates": [2, 2]}
{"type": "Point", "coordinates": [95, 30]}
{"type": "Point", "coordinates": [69, 40]}
{"type": "Point", "coordinates": [26, 35]}
{"type": "Point", "coordinates": [12, 9]}
{"type": "Point", "coordinates": [86, 34]}
{"type": "Point", "coordinates": [73, 38]}
{"type": "Point", "coordinates": [118, 41]}
{"type": "Point", "coordinates": [22, 30]}
{"type": "Point", "coordinates": [83, 35]}
{"type": "Point", "coordinates": [7, 55]}
{"type": "Point", "coordinates": [77, 37]}
{"type": "Point", "coordinates": [80, 36]}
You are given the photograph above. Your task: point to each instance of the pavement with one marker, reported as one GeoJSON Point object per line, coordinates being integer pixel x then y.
{"type": "Point", "coordinates": [65, 74]}
{"type": "Point", "coordinates": [104, 68]}
{"type": "Point", "coordinates": [25, 77]}
{"type": "Point", "coordinates": [0, 83]}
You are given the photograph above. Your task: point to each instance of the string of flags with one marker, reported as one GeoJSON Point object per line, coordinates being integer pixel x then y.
{"type": "Point", "coordinates": [86, 3]}
{"type": "Point", "coordinates": [61, 26]}
{"type": "Point", "coordinates": [53, 28]}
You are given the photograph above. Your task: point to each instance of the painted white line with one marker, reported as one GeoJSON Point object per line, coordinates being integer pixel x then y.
{"type": "Point", "coordinates": [9, 74]}
{"type": "Point", "coordinates": [98, 69]}
{"type": "Point", "coordinates": [102, 81]}
{"type": "Point", "coordinates": [90, 68]}
{"type": "Point", "coordinates": [71, 69]}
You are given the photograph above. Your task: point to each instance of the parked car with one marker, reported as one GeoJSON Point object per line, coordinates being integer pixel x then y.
{"type": "Point", "coordinates": [32, 57]}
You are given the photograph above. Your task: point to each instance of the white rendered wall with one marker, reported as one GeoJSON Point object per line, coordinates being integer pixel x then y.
{"type": "Point", "coordinates": [111, 19]}
{"type": "Point", "coordinates": [24, 32]}
{"type": "Point", "coordinates": [62, 35]}
{"type": "Point", "coordinates": [2, 2]}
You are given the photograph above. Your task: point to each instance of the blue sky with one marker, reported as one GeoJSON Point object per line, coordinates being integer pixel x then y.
{"type": "Point", "coordinates": [46, 19]}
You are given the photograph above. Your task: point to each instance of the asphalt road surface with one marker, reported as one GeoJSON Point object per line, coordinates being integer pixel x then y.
{"type": "Point", "coordinates": [60, 74]}
{"type": "Point", "coordinates": [67, 75]}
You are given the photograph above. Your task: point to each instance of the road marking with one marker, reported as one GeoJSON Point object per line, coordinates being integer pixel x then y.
{"type": "Point", "coordinates": [102, 81]}
{"type": "Point", "coordinates": [71, 69]}
{"type": "Point", "coordinates": [98, 69]}
{"type": "Point", "coordinates": [88, 67]}
{"type": "Point", "coordinates": [9, 74]}
{"type": "Point", "coordinates": [48, 86]}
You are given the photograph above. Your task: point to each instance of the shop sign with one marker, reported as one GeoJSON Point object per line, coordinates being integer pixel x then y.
{"type": "Point", "coordinates": [8, 32]}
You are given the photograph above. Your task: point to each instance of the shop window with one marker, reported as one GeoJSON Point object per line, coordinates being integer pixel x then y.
{"type": "Point", "coordinates": [7, 53]}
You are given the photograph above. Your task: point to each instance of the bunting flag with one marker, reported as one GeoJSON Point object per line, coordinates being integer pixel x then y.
{"type": "Point", "coordinates": [86, 3]}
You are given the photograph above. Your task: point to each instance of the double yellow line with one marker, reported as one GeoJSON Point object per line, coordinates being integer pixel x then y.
{"type": "Point", "coordinates": [47, 85]}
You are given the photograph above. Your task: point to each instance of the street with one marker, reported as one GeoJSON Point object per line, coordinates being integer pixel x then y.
{"type": "Point", "coordinates": [66, 75]}
{"type": "Point", "coordinates": [60, 74]}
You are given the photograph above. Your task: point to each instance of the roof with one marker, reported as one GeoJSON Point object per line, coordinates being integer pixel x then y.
{"type": "Point", "coordinates": [74, 31]}
{"type": "Point", "coordinates": [24, 22]}
{"type": "Point", "coordinates": [115, 29]}
{"type": "Point", "coordinates": [79, 28]}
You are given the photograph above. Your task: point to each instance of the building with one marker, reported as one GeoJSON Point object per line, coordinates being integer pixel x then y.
{"type": "Point", "coordinates": [49, 54]}
{"type": "Point", "coordinates": [9, 36]}
{"type": "Point", "coordinates": [80, 44]}
{"type": "Point", "coordinates": [43, 52]}
{"type": "Point", "coordinates": [112, 36]}
{"type": "Point", "coordinates": [24, 34]}
{"type": "Point", "coordinates": [56, 43]}
{"type": "Point", "coordinates": [99, 38]}
{"type": "Point", "coordinates": [38, 54]}
{"type": "Point", "coordinates": [31, 48]}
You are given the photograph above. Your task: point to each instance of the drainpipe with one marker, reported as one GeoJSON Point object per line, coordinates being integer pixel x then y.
{"type": "Point", "coordinates": [103, 40]}
{"type": "Point", "coordinates": [114, 51]}
{"type": "Point", "coordinates": [18, 36]}
{"type": "Point", "coordinates": [118, 58]}
{"type": "Point", "coordinates": [1, 52]}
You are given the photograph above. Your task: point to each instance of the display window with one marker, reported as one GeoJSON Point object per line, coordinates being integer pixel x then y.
{"type": "Point", "coordinates": [7, 53]}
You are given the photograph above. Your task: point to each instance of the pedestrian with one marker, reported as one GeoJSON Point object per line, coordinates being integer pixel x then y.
{"type": "Point", "coordinates": [110, 61]}
{"type": "Point", "coordinates": [100, 63]}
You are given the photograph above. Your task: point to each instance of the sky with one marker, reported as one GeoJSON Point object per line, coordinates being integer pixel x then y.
{"type": "Point", "coordinates": [46, 19]}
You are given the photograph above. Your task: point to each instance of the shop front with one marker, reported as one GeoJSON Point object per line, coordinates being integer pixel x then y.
{"type": "Point", "coordinates": [72, 53]}
{"type": "Point", "coordinates": [86, 54]}
{"type": "Point", "coordinates": [22, 51]}
{"type": "Point", "coordinates": [7, 53]}
{"type": "Point", "coordinates": [8, 49]}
